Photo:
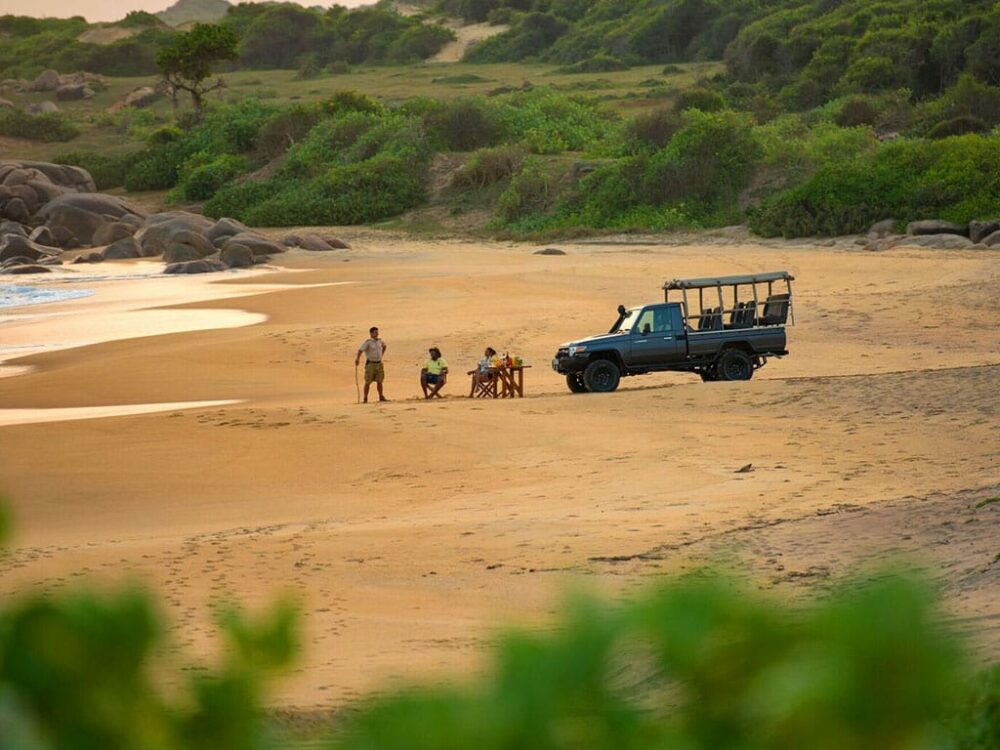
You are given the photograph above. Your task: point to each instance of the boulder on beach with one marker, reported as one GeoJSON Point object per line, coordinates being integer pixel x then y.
{"type": "Point", "coordinates": [550, 251]}
{"type": "Point", "coordinates": [17, 210]}
{"type": "Point", "coordinates": [90, 258]}
{"type": "Point", "coordinates": [33, 268]}
{"type": "Point", "coordinates": [112, 232]}
{"type": "Point", "coordinates": [80, 223]}
{"type": "Point", "coordinates": [71, 178]}
{"type": "Point", "coordinates": [124, 249]}
{"type": "Point", "coordinates": [992, 240]}
{"type": "Point", "coordinates": [196, 266]}
{"type": "Point", "coordinates": [43, 236]}
{"type": "Point", "coordinates": [158, 230]}
{"type": "Point", "coordinates": [12, 227]}
{"type": "Point", "coordinates": [311, 242]}
{"type": "Point", "coordinates": [881, 229]}
{"type": "Point", "coordinates": [935, 226]}
{"type": "Point", "coordinates": [179, 252]}
{"type": "Point", "coordinates": [258, 244]}
{"type": "Point", "coordinates": [936, 241]}
{"type": "Point", "coordinates": [980, 230]}
{"type": "Point", "coordinates": [236, 255]}
{"type": "Point", "coordinates": [223, 229]}
{"type": "Point", "coordinates": [16, 245]}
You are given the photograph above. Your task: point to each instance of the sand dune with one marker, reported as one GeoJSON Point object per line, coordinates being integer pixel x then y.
{"type": "Point", "coordinates": [411, 530]}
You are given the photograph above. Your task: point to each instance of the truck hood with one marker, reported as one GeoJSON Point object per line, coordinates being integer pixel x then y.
{"type": "Point", "coordinates": [606, 338]}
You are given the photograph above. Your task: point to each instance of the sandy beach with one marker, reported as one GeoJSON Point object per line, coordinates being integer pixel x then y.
{"type": "Point", "coordinates": [410, 531]}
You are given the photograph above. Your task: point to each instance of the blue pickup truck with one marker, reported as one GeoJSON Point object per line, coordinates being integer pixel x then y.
{"type": "Point", "coordinates": [719, 328]}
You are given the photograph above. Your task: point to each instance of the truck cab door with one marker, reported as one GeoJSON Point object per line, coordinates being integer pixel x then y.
{"type": "Point", "coordinates": [658, 337]}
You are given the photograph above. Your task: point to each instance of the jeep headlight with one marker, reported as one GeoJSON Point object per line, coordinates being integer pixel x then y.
{"type": "Point", "coordinates": [577, 349]}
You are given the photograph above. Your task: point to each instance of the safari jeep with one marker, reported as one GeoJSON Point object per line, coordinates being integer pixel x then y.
{"type": "Point", "coordinates": [720, 328]}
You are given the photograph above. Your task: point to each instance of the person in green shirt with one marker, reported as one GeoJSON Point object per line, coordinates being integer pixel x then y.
{"type": "Point", "coordinates": [434, 374]}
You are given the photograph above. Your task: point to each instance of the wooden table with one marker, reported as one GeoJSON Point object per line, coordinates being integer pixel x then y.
{"type": "Point", "coordinates": [507, 382]}
{"type": "Point", "coordinates": [511, 381]}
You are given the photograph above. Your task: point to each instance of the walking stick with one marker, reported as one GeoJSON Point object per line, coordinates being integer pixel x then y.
{"type": "Point", "coordinates": [356, 386]}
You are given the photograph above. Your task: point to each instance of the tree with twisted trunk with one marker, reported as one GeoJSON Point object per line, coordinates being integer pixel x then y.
{"type": "Point", "coordinates": [186, 64]}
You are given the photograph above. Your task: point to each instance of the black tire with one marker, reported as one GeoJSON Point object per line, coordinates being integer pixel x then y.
{"type": "Point", "coordinates": [575, 382]}
{"type": "Point", "coordinates": [708, 376]}
{"type": "Point", "coordinates": [602, 376]}
{"type": "Point", "coordinates": [734, 365]}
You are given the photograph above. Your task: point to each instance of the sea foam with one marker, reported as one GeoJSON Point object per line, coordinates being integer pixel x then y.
{"type": "Point", "coordinates": [13, 295]}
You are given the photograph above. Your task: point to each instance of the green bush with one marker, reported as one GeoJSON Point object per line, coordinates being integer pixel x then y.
{"type": "Point", "coordinates": [284, 129]}
{"type": "Point", "coordinates": [550, 122]}
{"type": "Point", "coordinates": [464, 124]}
{"type": "Point", "coordinates": [958, 126]}
{"type": "Point", "coordinates": [652, 130]}
{"type": "Point", "coordinates": [108, 171]}
{"type": "Point", "coordinates": [156, 168]}
{"type": "Point", "coordinates": [953, 179]}
{"type": "Point", "coordinates": [48, 128]}
{"type": "Point", "coordinates": [200, 179]}
{"type": "Point", "coordinates": [700, 98]}
{"type": "Point", "coordinates": [531, 191]}
{"type": "Point", "coordinates": [706, 164]}
{"type": "Point", "coordinates": [348, 100]}
{"type": "Point", "coordinates": [856, 111]}
{"type": "Point", "coordinates": [489, 166]}
{"type": "Point", "coordinates": [370, 190]}
{"type": "Point", "coordinates": [325, 143]}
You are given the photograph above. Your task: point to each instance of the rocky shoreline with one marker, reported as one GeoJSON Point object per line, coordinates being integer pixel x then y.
{"type": "Point", "coordinates": [51, 214]}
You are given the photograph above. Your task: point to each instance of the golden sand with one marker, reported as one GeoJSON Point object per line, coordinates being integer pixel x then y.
{"type": "Point", "coordinates": [410, 531]}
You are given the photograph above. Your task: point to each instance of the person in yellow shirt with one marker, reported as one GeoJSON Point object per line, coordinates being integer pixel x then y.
{"type": "Point", "coordinates": [434, 374]}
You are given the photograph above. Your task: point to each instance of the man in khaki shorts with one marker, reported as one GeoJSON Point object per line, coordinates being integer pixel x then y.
{"type": "Point", "coordinates": [373, 349]}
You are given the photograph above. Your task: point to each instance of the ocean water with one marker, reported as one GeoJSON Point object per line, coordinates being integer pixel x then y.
{"type": "Point", "coordinates": [12, 295]}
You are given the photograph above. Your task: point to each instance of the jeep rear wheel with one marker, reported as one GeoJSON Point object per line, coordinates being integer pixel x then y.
{"type": "Point", "coordinates": [602, 376]}
{"type": "Point", "coordinates": [575, 382]}
{"type": "Point", "coordinates": [734, 365]}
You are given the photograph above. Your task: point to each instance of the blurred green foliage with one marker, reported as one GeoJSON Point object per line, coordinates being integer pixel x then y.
{"type": "Point", "coordinates": [83, 670]}
{"type": "Point", "coordinates": [705, 663]}
{"type": "Point", "coordinates": [702, 662]}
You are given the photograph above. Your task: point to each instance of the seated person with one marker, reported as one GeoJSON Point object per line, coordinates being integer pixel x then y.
{"type": "Point", "coordinates": [484, 372]}
{"type": "Point", "coordinates": [434, 374]}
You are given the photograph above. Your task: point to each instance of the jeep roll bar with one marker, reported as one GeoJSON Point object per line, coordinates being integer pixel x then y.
{"type": "Point", "coordinates": [777, 307]}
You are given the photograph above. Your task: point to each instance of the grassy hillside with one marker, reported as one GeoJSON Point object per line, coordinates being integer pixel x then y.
{"type": "Point", "coordinates": [782, 134]}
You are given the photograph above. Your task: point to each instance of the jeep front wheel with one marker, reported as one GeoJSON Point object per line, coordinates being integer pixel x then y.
{"type": "Point", "coordinates": [575, 382]}
{"type": "Point", "coordinates": [735, 365]}
{"type": "Point", "coordinates": [601, 376]}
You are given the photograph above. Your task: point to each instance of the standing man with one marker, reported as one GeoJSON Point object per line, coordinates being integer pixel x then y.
{"type": "Point", "coordinates": [373, 349]}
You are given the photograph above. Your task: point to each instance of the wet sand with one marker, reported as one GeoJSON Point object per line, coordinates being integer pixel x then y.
{"type": "Point", "coordinates": [410, 531]}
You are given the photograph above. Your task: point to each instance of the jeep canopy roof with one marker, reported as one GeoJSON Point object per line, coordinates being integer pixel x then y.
{"type": "Point", "coordinates": [755, 278]}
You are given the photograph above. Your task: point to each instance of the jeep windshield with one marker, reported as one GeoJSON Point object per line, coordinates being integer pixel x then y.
{"type": "Point", "coordinates": [626, 321]}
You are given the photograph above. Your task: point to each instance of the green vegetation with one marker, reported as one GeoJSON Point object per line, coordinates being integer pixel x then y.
{"type": "Point", "coordinates": [701, 662]}
{"type": "Point", "coordinates": [187, 62]}
{"type": "Point", "coordinates": [954, 179]}
{"type": "Point", "coordinates": [269, 35]}
{"type": "Point", "coordinates": [49, 127]}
